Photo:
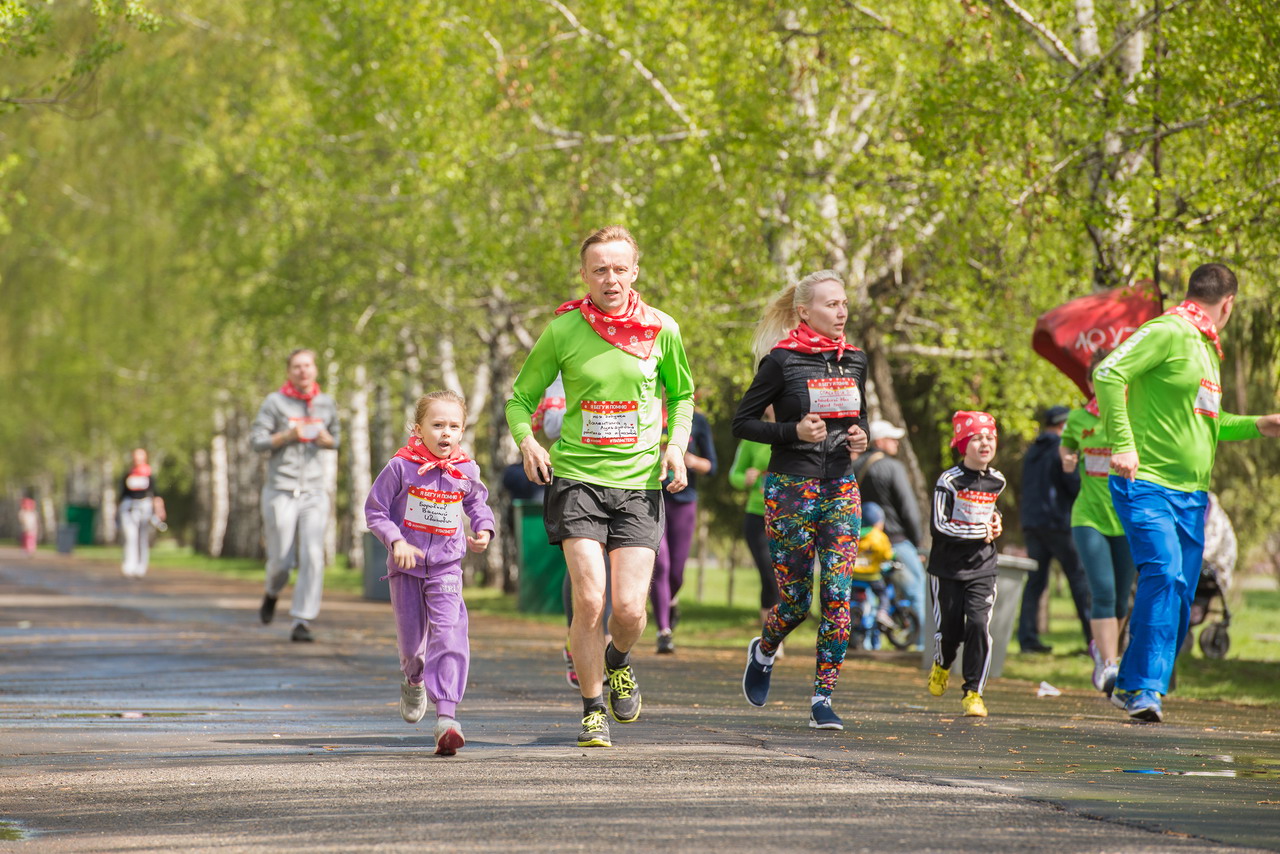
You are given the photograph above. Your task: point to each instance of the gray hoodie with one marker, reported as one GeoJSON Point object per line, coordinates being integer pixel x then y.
{"type": "Point", "coordinates": [294, 466]}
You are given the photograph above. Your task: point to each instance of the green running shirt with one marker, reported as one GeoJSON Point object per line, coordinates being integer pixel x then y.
{"type": "Point", "coordinates": [1086, 434]}
{"type": "Point", "coordinates": [613, 402]}
{"type": "Point", "coordinates": [1173, 415]}
{"type": "Point", "coordinates": [751, 455]}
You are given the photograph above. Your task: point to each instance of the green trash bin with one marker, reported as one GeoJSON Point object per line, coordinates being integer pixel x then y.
{"type": "Point", "coordinates": [81, 515]}
{"type": "Point", "coordinates": [542, 565]}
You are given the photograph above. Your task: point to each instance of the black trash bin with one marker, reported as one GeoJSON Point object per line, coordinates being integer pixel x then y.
{"type": "Point", "coordinates": [375, 566]}
{"type": "Point", "coordinates": [66, 538]}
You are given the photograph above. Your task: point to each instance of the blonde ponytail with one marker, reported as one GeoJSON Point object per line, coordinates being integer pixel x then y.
{"type": "Point", "coordinates": [780, 316]}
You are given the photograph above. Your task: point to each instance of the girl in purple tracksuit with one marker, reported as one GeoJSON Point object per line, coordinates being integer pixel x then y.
{"type": "Point", "coordinates": [415, 508]}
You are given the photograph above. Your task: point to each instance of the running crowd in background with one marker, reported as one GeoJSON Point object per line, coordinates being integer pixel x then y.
{"type": "Point", "coordinates": [1115, 491]}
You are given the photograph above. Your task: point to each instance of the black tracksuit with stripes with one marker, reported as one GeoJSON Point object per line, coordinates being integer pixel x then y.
{"type": "Point", "coordinates": [962, 569]}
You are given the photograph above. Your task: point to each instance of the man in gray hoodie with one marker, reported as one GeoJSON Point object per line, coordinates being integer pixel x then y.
{"type": "Point", "coordinates": [294, 425]}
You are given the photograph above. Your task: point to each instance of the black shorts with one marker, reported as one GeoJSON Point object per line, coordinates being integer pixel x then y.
{"type": "Point", "coordinates": [616, 518]}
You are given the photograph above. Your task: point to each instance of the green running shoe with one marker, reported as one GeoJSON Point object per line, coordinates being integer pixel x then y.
{"type": "Point", "coordinates": [595, 730]}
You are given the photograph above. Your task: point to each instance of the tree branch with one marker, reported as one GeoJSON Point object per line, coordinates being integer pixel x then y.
{"type": "Point", "coordinates": [1043, 32]}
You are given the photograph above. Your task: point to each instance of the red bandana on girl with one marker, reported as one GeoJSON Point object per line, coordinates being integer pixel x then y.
{"type": "Point", "coordinates": [804, 339]}
{"type": "Point", "coordinates": [970, 424]}
{"type": "Point", "coordinates": [289, 391]}
{"type": "Point", "coordinates": [1092, 407]}
{"type": "Point", "coordinates": [1192, 313]}
{"type": "Point", "coordinates": [417, 452]}
{"type": "Point", "coordinates": [143, 470]}
{"type": "Point", "coordinates": [634, 331]}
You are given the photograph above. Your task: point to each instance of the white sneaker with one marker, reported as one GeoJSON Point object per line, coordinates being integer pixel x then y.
{"type": "Point", "coordinates": [1098, 665]}
{"type": "Point", "coordinates": [448, 737]}
{"type": "Point", "coordinates": [413, 701]}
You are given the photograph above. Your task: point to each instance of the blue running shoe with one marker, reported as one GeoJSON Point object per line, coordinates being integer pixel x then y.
{"type": "Point", "coordinates": [1145, 706]}
{"type": "Point", "coordinates": [755, 679]}
{"type": "Point", "coordinates": [822, 716]}
{"type": "Point", "coordinates": [1120, 698]}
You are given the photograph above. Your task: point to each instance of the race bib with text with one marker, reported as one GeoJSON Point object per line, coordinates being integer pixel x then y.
{"type": "Point", "coordinates": [835, 397]}
{"type": "Point", "coordinates": [137, 482]}
{"type": "Point", "coordinates": [1097, 461]}
{"type": "Point", "coordinates": [308, 427]}
{"type": "Point", "coordinates": [610, 422]}
{"type": "Point", "coordinates": [1208, 399]}
{"type": "Point", "coordinates": [974, 506]}
{"type": "Point", "coordinates": [433, 511]}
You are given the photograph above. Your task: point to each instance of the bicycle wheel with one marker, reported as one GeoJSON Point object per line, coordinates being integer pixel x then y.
{"type": "Point", "coordinates": [905, 631]}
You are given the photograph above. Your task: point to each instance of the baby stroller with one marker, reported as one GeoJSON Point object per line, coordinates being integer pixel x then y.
{"type": "Point", "coordinates": [1215, 581]}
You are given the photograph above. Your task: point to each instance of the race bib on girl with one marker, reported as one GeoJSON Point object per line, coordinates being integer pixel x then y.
{"type": "Point", "coordinates": [1097, 461]}
{"type": "Point", "coordinates": [610, 422]}
{"type": "Point", "coordinates": [835, 397]}
{"type": "Point", "coordinates": [974, 506]}
{"type": "Point", "coordinates": [433, 511]}
{"type": "Point", "coordinates": [137, 482]}
{"type": "Point", "coordinates": [308, 427]}
{"type": "Point", "coordinates": [1208, 399]}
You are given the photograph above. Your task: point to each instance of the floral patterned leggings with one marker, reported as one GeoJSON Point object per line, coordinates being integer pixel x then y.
{"type": "Point", "coordinates": [805, 516]}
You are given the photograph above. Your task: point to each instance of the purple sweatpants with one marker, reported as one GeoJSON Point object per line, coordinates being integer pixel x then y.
{"type": "Point", "coordinates": [673, 552]}
{"type": "Point", "coordinates": [431, 630]}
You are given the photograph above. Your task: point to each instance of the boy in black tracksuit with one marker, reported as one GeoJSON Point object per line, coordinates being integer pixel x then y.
{"type": "Point", "coordinates": [962, 562]}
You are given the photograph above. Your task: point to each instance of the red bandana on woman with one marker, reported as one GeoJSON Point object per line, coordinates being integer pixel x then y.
{"type": "Point", "coordinates": [634, 331]}
{"type": "Point", "coordinates": [1092, 407]}
{"type": "Point", "coordinates": [289, 391]}
{"type": "Point", "coordinates": [1192, 313]}
{"type": "Point", "coordinates": [143, 470]}
{"type": "Point", "coordinates": [805, 340]}
{"type": "Point", "coordinates": [417, 452]}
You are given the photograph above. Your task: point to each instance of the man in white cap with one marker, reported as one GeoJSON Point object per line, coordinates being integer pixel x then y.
{"type": "Point", "coordinates": [882, 478]}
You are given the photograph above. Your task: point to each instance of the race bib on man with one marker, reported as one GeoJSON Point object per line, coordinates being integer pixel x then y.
{"type": "Point", "coordinates": [974, 506]}
{"type": "Point", "coordinates": [433, 511]}
{"type": "Point", "coordinates": [1097, 461]}
{"type": "Point", "coordinates": [610, 422]}
{"type": "Point", "coordinates": [1208, 399]}
{"type": "Point", "coordinates": [835, 397]}
{"type": "Point", "coordinates": [308, 427]}
{"type": "Point", "coordinates": [137, 482]}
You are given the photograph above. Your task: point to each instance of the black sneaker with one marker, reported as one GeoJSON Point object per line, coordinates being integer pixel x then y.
{"type": "Point", "coordinates": [267, 610]}
{"type": "Point", "coordinates": [624, 694]}
{"type": "Point", "coordinates": [675, 615]}
{"type": "Point", "coordinates": [822, 716]}
{"type": "Point", "coordinates": [301, 634]}
{"type": "Point", "coordinates": [666, 645]}
{"type": "Point", "coordinates": [755, 679]}
{"type": "Point", "coordinates": [595, 730]}
{"type": "Point", "coordinates": [1038, 647]}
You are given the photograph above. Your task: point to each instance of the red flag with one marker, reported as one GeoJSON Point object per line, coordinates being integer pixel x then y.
{"type": "Point", "coordinates": [1068, 334]}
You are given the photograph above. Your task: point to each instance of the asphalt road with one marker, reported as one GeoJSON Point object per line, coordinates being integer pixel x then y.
{"type": "Point", "coordinates": [160, 716]}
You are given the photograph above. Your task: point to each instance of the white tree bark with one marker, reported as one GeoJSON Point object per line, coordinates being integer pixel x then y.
{"type": "Point", "coordinates": [107, 504]}
{"type": "Point", "coordinates": [219, 483]}
{"type": "Point", "coordinates": [357, 442]}
{"type": "Point", "coordinates": [330, 461]}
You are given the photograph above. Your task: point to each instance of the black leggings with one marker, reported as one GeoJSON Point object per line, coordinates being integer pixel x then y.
{"type": "Point", "coordinates": [753, 531]}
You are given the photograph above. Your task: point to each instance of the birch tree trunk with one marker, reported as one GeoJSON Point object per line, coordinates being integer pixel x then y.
{"type": "Point", "coordinates": [48, 507]}
{"type": "Point", "coordinates": [357, 442]}
{"type": "Point", "coordinates": [107, 506]}
{"type": "Point", "coordinates": [219, 484]}
{"type": "Point", "coordinates": [202, 487]}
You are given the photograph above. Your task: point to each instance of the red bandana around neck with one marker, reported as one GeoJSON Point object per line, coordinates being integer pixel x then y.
{"type": "Point", "coordinates": [289, 391]}
{"type": "Point", "coordinates": [634, 331]}
{"type": "Point", "coordinates": [417, 452]}
{"type": "Point", "coordinates": [143, 470]}
{"type": "Point", "coordinates": [805, 340]}
{"type": "Point", "coordinates": [1092, 407]}
{"type": "Point", "coordinates": [1192, 313]}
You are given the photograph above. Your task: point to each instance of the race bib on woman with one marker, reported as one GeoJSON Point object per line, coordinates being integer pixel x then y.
{"type": "Point", "coordinates": [1208, 399]}
{"type": "Point", "coordinates": [433, 511]}
{"type": "Point", "coordinates": [1097, 461]}
{"type": "Point", "coordinates": [835, 397]}
{"type": "Point", "coordinates": [974, 506]}
{"type": "Point", "coordinates": [137, 482]}
{"type": "Point", "coordinates": [610, 422]}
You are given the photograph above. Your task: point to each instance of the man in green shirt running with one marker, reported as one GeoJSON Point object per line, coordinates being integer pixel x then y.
{"type": "Point", "coordinates": [1161, 400]}
{"type": "Point", "coordinates": [617, 356]}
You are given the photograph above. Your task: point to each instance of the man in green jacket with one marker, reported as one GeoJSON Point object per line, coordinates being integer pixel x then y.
{"type": "Point", "coordinates": [618, 356]}
{"type": "Point", "coordinates": [1161, 400]}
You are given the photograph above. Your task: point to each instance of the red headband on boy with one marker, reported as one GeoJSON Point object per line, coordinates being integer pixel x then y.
{"type": "Point", "coordinates": [970, 424]}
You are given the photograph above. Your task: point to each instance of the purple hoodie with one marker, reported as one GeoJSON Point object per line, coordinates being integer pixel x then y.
{"type": "Point", "coordinates": [426, 510]}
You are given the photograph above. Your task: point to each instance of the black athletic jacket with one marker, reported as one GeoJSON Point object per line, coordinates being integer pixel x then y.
{"type": "Point", "coordinates": [785, 379]}
{"type": "Point", "coordinates": [962, 501]}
